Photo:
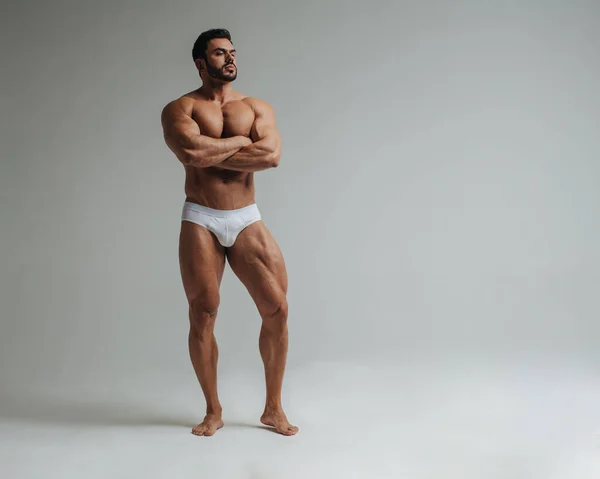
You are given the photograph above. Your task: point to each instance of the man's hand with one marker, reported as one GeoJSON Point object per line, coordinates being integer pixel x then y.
{"type": "Point", "coordinates": [183, 137]}
{"type": "Point", "coordinates": [265, 151]}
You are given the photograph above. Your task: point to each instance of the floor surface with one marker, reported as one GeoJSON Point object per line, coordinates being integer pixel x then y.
{"type": "Point", "coordinates": [462, 419]}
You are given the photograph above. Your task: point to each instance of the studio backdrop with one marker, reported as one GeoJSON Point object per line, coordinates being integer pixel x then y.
{"type": "Point", "coordinates": [437, 196]}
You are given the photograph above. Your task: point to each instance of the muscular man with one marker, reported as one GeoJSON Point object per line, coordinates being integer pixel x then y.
{"type": "Point", "coordinates": [222, 138]}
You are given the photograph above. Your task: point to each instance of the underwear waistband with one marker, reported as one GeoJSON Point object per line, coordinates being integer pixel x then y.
{"type": "Point", "coordinates": [218, 213]}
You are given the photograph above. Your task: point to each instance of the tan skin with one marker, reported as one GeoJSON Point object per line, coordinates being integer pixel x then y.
{"type": "Point", "coordinates": [222, 138]}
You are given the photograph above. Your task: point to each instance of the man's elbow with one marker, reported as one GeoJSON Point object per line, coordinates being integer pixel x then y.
{"type": "Point", "coordinates": [273, 158]}
{"type": "Point", "coordinates": [274, 162]}
{"type": "Point", "coordinates": [188, 157]}
{"type": "Point", "coordinates": [194, 158]}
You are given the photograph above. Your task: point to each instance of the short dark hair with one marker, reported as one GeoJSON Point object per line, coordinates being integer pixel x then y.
{"type": "Point", "coordinates": [201, 43]}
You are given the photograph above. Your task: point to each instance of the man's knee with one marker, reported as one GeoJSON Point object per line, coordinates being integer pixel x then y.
{"type": "Point", "coordinates": [203, 312]}
{"type": "Point", "coordinates": [275, 317]}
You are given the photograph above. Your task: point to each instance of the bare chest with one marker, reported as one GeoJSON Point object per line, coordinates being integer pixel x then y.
{"type": "Point", "coordinates": [232, 119]}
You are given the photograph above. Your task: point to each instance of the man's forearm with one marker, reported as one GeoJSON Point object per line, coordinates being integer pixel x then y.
{"type": "Point", "coordinates": [204, 151]}
{"type": "Point", "coordinates": [255, 157]}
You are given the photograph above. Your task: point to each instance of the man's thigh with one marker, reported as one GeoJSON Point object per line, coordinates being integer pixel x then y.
{"type": "Point", "coordinates": [201, 262]}
{"type": "Point", "coordinates": [257, 261]}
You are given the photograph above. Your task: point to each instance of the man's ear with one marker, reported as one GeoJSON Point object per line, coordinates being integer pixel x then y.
{"type": "Point", "coordinates": [200, 64]}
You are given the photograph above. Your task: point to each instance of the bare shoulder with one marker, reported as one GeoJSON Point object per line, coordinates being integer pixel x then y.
{"type": "Point", "coordinates": [182, 106]}
{"type": "Point", "coordinates": [259, 106]}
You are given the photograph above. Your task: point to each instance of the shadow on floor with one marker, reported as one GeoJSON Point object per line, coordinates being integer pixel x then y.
{"type": "Point", "coordinates": [246, 425]}
{"type": "Point", "coordinates": [86, 412]}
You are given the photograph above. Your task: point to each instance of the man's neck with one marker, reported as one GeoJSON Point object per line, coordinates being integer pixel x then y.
{"type": "Point", "coordinates": [219, 93]}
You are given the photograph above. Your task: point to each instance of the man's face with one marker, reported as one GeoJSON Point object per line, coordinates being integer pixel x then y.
{"type": "Point", "coordinates": [220, 56]}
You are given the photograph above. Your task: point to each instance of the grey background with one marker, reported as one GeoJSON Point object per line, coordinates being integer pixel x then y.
{"type": "Point", "coordinates": [437, 197]}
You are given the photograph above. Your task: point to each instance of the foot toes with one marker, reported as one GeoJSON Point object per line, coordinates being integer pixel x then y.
{"type": "Point", "coordinates": [200, 430]}
{"type": "Point", "coordinates": [287, 430]}
{"type": "Point", "coordinates": [207, 428]}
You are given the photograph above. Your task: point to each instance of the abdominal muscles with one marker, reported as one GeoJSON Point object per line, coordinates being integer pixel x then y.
{"type": "Point", "coordinates": [216, 186]}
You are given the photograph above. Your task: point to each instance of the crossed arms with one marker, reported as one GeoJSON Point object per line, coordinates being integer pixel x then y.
{"type": "Point", "coordinates": [183, 137]}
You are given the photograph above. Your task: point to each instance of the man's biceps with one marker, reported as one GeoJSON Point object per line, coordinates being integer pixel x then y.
{"type": "Point", "coordinates": [265, 128]}
{"type": "Point", "coordinates": [184, 130]}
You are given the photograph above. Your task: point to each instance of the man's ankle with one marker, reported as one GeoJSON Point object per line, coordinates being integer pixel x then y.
{"type": "Point", "coordinates": [214, 411]}
{"type": "Point", "coordinates": [273, 406]}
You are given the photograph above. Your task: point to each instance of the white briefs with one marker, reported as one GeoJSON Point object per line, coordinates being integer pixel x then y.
{"type": "Point", "coordinates": [226, 225]}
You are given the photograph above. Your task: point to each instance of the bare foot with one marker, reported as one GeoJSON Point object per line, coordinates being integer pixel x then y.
{"type": "Point", "coordinates": [209, 426]}
{"type": "Point", "coordinates": [278, 420]}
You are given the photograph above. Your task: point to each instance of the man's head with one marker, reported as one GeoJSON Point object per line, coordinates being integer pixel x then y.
{"type": "Point", "coordinates": [214, 55]}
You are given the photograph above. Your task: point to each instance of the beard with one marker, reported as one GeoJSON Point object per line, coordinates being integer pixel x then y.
{"type": "Point", "coordinates": [220, 73]}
